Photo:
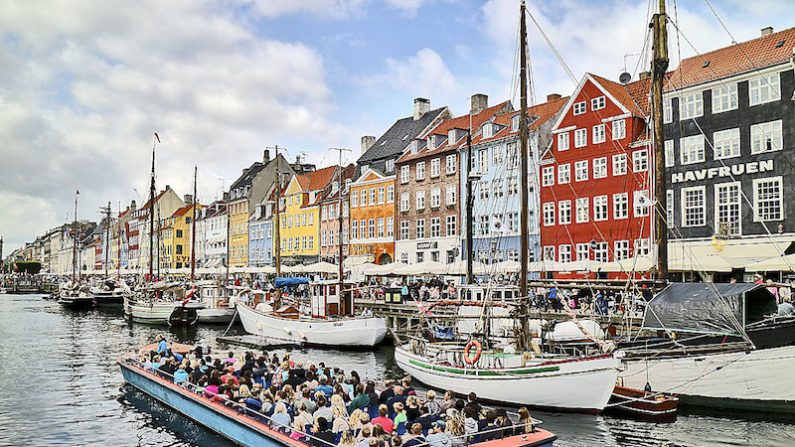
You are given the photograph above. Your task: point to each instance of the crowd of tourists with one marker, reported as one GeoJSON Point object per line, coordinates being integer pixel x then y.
{"type": "Point", "coordinates": [323, 405]}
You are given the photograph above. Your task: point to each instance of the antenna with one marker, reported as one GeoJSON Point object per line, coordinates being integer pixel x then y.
{"type": "Point", "coordinates": [625, 78]}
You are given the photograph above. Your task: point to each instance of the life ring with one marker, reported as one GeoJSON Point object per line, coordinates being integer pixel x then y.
{"type": "Point", "coordinates": [479, 350]}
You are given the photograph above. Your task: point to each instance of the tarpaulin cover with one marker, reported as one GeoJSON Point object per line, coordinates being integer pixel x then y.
{"type": "Point", "coordinates": [290, 281]}
{"type": "Point", "coordinates": [708, 308]}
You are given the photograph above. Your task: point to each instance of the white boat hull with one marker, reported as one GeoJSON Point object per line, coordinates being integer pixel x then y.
{"type": "Point", "coordinates": [156, 313]}
{"type": "Point", "coordinates": [353, 332]}
{"type": "Point", "coordinates": [754, 380]}
{"type": "Point", "coordinates": [581, 385]}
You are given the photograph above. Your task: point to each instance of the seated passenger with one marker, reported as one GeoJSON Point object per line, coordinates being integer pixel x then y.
{"type": "Point", "coordinates": [383, 419]}
{"type": "Point", "coordinates": [437, 436]}
{"type": "Point", "coordinates": [414, 437]}
{"type": "Point", "coordinates": [322, 436]}
{"type": "Point", "coordinates": [281, 419]}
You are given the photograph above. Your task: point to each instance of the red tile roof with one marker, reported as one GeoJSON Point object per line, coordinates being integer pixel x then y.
{"type": "Point", "coordinates": [733, 60]}
{"type": "Point", "coordinates": [316, 180]}
{"type": "Point", "coordinates": [544, 112]}
{"type": "Point", "coordinates": [459, 122]}
{"type": "Point", "coordinates": [634, 95]}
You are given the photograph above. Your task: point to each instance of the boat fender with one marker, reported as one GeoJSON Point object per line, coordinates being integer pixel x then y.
{"type": "Point", "coordinates": [471, 360]}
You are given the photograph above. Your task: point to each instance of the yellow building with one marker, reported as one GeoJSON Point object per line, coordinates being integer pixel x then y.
{"type": "Point", "coordinates": [300, 218]}
{"type": "Point", "coordinates": [238, 205]}
{"type": "Point", "coordinates": [176, 233]}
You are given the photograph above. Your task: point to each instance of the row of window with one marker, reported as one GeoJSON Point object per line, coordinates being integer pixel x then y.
{"type": "Point", "coordinates": [500, 223]}
{"type": "Point", "coordinates": [435, 228]}
{"type": "Point", "coordinates": [331, 238]}
{"type": "Point", "coordinates": [762, 89]}
{"type": "Point", "coordinates": [584, 212]}
{"type": "Point", "coordinates": [768, 204]}
{"type": "Point", "coordinates": [373, 228]}
{"type": "Point", "coordinates": [298, 220]}
{"type": "Point", "coordinates": [601, 251]}
{"type": "Point", "coordinates": [765, 137]}
{"type": "Point", "coordinates": [435, 198]}
{"type": "Point", "coordinates": [640, 163]}
{"type": "Point", "coordinates": [377, 196]}
{"type": "Point", "coordinates": [298, 243]}
{"type": "Point", "coordinates": [618, 132]}
{"type": "Point", "coordinates": [259, 231]}
{"type": "Point", "coordinates": [332, 211]}
{"type": "Point", "coordinates": [497, 187]}
{"type": "Point", "coordinates": [436, 169]}
{"type": "Point", "coordinates": [435, 256]}
{"type": "Point", "coordinates": [597, 103]}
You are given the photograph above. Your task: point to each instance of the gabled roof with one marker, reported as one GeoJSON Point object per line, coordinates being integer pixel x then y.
{"type": "Point", "coordinates": [370, 171]}
{"type": "Point", "coordinates": [539, 114]}
{"type": "Point", "coordinates": [631, 98]}
{"type": "Point", "coordinates": [460, 122]}
{"type": "Point", "coordinates": [759, 53]}
{"type": "Point", "coordinates": [394, 140]}
{"type": "Point", "coordinates": [247, 177]}
{"type": "Point", "coordinates": [347, 173]}
{"type": "Point", "coordinates": [317, 180]}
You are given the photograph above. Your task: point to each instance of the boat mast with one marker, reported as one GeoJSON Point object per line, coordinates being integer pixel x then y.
{"type": "Point", "coordinates": [152, 212]}
{"type": "Point", "coordinates": [470, 205]}
{"type": "Point", "coordinates": [118, 248]}
{"type": "Point", "coordinates": [228, 231]}
{"type": "Point", "coordinates": [277, 235]}
{"type": "Point", "coordinates": [107, 238]}
{"type": "Point", "coordinates": [75, 239]}
{"type": "Point", "coordinates": [339, 218]}
{"type": "Point", "coordinates": [193, 227]}
{"type": "Point", "coordinates": [659, 67]}
{"type": "Point", "coordinates": [523, 147]}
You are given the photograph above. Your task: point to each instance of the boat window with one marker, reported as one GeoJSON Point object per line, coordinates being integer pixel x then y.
{"type": "Point", "coordinates": [508, 295]}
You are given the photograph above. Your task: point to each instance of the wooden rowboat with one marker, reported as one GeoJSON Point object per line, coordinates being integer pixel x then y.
{"type": "Point", "coordinates": [643, 405]}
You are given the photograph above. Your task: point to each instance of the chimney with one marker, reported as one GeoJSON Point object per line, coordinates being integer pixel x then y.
{"type": "Point", "coordinates": [644, 75]}
{"type": "Point", "coordinates": [478, 103]}
{"type": "Point", "coordinates": [367, 142]}
{"type": "Point", "coordinates": [188, 199]}
{"type": "Point", "coordinates": [266, 155]}
{"type": "Point", "coordinates": [226, 196]}
{"type": "Point", "coordinates": [168, 187]}
{"type": "Point", "coordinates": [421, 107]}
{"type": "Point", "coordinates": [133, 205]}
{"type": "Point", "coordinates": [553, 96]}
{"type": "Point", "coordinates": [767, 31]}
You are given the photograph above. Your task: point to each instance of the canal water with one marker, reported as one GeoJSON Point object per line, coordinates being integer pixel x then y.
{"type": "Point", "coordinates": [60, 386]}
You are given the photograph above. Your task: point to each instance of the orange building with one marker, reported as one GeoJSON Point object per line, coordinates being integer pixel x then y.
{"type": "Point", "coordinates": [372, 225]}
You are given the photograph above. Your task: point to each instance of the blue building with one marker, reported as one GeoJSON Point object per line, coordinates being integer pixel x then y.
{"type": "Point", "coordinates": [260, 236]}
{"type": "Point", "coordinates": [496, 182]}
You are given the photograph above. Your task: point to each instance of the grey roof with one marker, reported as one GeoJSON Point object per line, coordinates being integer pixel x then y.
{"type": "Point", "coordinates": [246, 179]}
{"type": "Point", "coordinates": [394, 140]}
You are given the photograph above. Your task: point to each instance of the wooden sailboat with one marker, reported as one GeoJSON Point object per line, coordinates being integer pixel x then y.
{"type": "Point", "coordinates": [324, 325]}
{"type": "Point", "coordinates": [503, 374]}
{"type": "Point", "coordinates": [71, 294]}
{"type": "Point", "coordinates": [110, 292]}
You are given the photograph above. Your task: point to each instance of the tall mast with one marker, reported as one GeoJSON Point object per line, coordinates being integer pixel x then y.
{"type": "Point", "coordinates": [75, 238]}
{"type": "Point", "coordinates": [118, 248]}
{"type": "Point", "coordinates": [152, 211]}
{"type": "Point", "coordinates": [659, 67]}
{"type": "Point", "coordinates": [193, 227]}
{"type": "Point", "coordinates": [277, 234]}
{"type": "Point", "coordinates": [470, 205]}
{"type": "Point", "coordinates": [228, 231]}
{"type": "Point", "coordinates": [107, 238]}
{"type": "Point", "coordinates": [524, 217]}
{"type": "Point", "coordinates": [339, 217]}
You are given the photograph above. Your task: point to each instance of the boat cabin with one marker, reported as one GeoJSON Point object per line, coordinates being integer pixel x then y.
{"type": "Point", "coordinates": [477, 292]}
{"type": "Point", "coordinates": [326, 301]}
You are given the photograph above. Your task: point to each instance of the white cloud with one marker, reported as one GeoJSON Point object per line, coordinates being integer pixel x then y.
{"type": "Point", "coordinates": [81, 93]}
{"type": "Point", "coordinates": [337, 9]}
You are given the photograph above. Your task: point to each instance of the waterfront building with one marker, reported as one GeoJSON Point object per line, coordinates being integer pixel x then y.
{"type": "Point", "coordinates": [238, 208]}
{"type": "Point", "coordinates": [211, 236]}
{"type": "Point", "coordinates": [729, 135]}
{"type": "Point", "coordinates": [300, 216]}
{"type": "Point", "coordinates": [262, 201]}
{"type": "Point", "coordinates": [176, 231]}
{"type": "Point", "coordinates": [496, 180]}
{"type": "Point", "coordinates": [372, 221]}
{"type": "Point", "coordinates": [119, 238]}
{"type": "Point", "coordinates": [595, 179]}
{"type": "Point", "coordinates": [165, 203]}
{"type": "Point", "coordinates": [382, 154]}
{"type": "Point", "coordinates": [329, 203]}
{"type": "Point", "coordinates": [427, 187]}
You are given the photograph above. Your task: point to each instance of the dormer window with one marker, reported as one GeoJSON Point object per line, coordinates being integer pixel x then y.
{"type": "Point", "coordinates": [413, 146]}
{"type": "Point", "coordinates": [515, 123]}
{"type": "Point", "coordinates": [348, 184]}
{"type": "Point", "coordinates": [335, 185]}
{"type": "Point", "coordinates": [451, 136]}
{"type": "Point", "coordinates": [436, 141]}
{"type": "Point", "coordinates": [488, 130]}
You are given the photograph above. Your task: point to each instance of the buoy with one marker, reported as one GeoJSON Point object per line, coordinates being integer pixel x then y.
{"type": "Point", "coordinates": [479, 350]}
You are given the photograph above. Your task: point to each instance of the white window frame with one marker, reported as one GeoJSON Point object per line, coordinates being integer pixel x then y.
{"type": "Point", "coordinates": [620, 250]}
{"type": "Point", "coordinates": [405, 200]}
{"type": "Point", "coordinates": [640, 160]}
{"type": "Point", "coordinates": [580, 138]}
{"type": "Point", "coordinates": [691, 105]}
{"type": "Point", "coordinates": [670, 153]}
{"type": "Point", "coordinates": [405, 173]}
{"type": "Point", "coordinates": [419, 171]}
{"type": "Point", "coordinates": [549, 214]}
{"type": "Point", "coordinates": [564, 253]}
{"type": "Point", "coordinates": [734, 220]}
{"type": "Point", "coordinates": [619, 165]}
{"type": "Point", "coordinates": [670, 208]}
{"type": "Point", "coordinates": [583, 251]}
{"type": "Point", "coordinates": [581, 171]}
{"type": "Point", "coordinates": [419, 200]}
{"type": "Point", "coordinates": [598, 134]}
{"type": "Point", "coordinates": [563, 141]}
{"type": "Point", "coordinates": [685, 208]}
{"type": "Point", "coordinates": [436, 197]}
{"type": "Point", "coordinates": [549, 253]}
{"type": "Point", "coordinates": [548, 176]}
{"type": "Point", "coordinates": [582, 212]}
{"type": "Point", "coordinates": [756, 183]}
{"type": "Point", "coordinates": [598, 103]}
{"type": "Point", "coordinates": [619, 129]}
{"type": "Point", "coordinates": [451, 225]}
{"type": "Point", "coordinates": [579, 108]}
{"type": "Point", "coordinates": [564, 212]}
{"type": "Point", "coordinates": [724, 98]}
{"type": "Point", "coordinates": [726, 144]}
{"type": "Point", "coordinates": [600, 204]}
{"type": "Point", "coordinates": [450, 164]}
{"type": "Point", "coordinates": [564, 174]}
{"type": "Point", "coordinates": [436, 167]}
{"type": "Point", "coordinates": [764, 133]}
{"type": "Point", "coordinates": [620, 205]}
{"type": "Point", "coordinates": [691, 149]}
{"type": "Point", "coordinates": [764, 89]}
{"type": "Point", "coordinates": [450, 195]}
{"type": "Point", "coordinates": [638, 208]}
{"type": "Point", "coordinates": [600, 167]}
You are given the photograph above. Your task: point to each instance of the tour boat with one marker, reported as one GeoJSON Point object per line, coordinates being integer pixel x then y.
{"type": "Point", "coordinates": [330, 322]}
{"type": "Point", "coordinates": [246, 427]}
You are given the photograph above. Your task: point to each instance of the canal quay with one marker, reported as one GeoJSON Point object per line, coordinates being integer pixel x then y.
{"type": "Point", "coordinates": [61, 386]}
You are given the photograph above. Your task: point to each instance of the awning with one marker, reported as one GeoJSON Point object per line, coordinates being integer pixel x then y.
{"type": "Point", "coordinates": [708, 308]}
{"type": "Point", "coordinates": [784, 263]}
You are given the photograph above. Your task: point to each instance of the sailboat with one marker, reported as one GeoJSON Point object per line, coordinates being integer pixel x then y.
{"type": "Point", "coordinates": [161, 303]}
{"type": "Point", "coordinates": [110, 292]}
{"type": "Point", "coordinates": [499, 372]}
{"type": "Point", "coordinates": [72, 294]}
{"type": "Point", "coordinates": [329, 320]}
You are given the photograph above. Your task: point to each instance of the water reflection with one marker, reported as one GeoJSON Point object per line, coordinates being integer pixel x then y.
{"type": "Point", "coordinates": [59, 385]}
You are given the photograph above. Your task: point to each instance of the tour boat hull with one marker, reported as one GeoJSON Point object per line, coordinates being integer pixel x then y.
{"type": "Point", "coordinates": [350, 332]}
{"type": "Point", "coordinates": [246, 430]}
{"type": "Point", "coordinates": [580, 385]}
{"type": "Point", "coordinates": [744, 380]}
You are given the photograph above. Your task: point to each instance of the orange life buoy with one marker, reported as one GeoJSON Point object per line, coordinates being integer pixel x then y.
{"type": "Point", "coordinates": [479, 350]}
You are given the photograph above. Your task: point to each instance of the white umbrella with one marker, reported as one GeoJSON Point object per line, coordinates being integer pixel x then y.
{"type": "Point", "coordinates": [423, 268]}
{"type": "Point", "coordinates": [460, 268]}
{"type": "Point", "coordinates": [382, 270]}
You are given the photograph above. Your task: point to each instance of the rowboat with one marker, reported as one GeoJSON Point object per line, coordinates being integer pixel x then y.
{"type": "Point", "coordinates": [643, 405]}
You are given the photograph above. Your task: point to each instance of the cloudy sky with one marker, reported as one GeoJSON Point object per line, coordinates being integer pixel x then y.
{"type": "Point", "coordinates": [84, 84]}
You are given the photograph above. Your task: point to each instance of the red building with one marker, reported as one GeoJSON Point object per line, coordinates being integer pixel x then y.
{"type": "Point", "coordinates": [595, 181]}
